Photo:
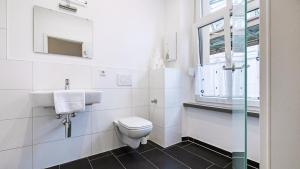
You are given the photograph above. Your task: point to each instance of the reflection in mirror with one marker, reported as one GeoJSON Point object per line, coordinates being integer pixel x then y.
{"type": "Point", "coordinates": [62, 34]}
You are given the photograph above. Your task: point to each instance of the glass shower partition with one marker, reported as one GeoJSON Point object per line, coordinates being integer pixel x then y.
{"type": "Point", "coordinates": [223, 65]}
{"type": "Point", "coordinates": [239, 68]}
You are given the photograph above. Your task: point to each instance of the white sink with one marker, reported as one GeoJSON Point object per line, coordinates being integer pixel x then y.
{"type": "Point", "coordinates": [45, 98]}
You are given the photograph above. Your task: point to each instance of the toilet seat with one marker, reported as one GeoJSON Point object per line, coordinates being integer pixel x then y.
{"type": "Point", "coordinates": [135, 123]}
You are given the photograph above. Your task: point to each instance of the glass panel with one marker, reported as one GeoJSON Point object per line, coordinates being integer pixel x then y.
{"type": "Point", "coordinates": [212, 58]}
{"type": "Point", "coordinates": [210, 6]}
{"type": "Point", "coordinates": [239, 82]}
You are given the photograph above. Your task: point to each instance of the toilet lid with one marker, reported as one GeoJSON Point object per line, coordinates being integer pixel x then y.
{"type": "Point", "coordinates": [134, 123]}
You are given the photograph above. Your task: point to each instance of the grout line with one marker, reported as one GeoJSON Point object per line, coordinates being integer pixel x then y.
{"type": "Point", "coordinates": [101, 157]}
{"type": "Point", "coordinates": [90, 163]}
{"type": "Point", "coordinates": [228, 165]}
{"type": "Point", "coordinates": [118, 160]}
{"type": "Point", "coordinates": [175, 159]}
{"type": "Point", "coordinates": [210, 166]}
{"type": "Point", "coordinates": [147, 159]}
{"type": "Point", "coordinates": [199, 156]}
{"type": "Point", "coordinates": [15, 148]}
{"type": "Point", "coordinates": [147, 150]}
{"type": "Point", "coordinates": [211, 150]}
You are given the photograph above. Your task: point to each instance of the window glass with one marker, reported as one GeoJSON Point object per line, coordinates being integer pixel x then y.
{"type": "Point", "coordinates": [210, 6]}
{"type": "Point", "coordinates": [212, 77]}
{"type": "Point", "coordinates": [212, 56]}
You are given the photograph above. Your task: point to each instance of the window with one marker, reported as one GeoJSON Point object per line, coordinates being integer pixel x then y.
{"type": "Point", "coordinates": [214, 42]}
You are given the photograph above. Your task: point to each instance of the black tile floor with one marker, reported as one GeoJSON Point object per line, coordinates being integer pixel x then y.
{"type": "Point", "coordinates": [184, 155]}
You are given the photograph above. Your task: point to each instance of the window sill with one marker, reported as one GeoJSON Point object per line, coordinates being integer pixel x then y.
{"type": "Point", "coordinates": [252, 112]}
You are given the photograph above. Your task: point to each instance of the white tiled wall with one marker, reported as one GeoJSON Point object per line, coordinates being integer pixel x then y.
{"type": "Point", "coordinates": [2, 13]}
{"type": "Point", "coordinates": [32, 138]}
{"type": "Point", "coordinates": [26, 130]}
{"type": "Point", "coordinates": [3, 29]}
{"type": "Point", "coordinates": [2, 43]}
{"type": "Point", "coordinates": [166, 114]}
{"type": "Point", "coordinates": [16, 158]}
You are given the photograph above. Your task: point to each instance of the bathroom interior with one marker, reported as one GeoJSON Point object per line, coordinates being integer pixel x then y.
{"type": "Point", "coordinates": [149, 84]}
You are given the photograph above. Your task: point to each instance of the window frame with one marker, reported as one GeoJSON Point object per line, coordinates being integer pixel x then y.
{"type": "Point", "coordinates": [202, 21]}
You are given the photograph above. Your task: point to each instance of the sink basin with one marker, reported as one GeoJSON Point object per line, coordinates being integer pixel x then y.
{"type": "Point", "coordinates": [45, 98]}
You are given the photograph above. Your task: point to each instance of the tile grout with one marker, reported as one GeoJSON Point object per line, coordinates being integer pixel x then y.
{"type": "Point", "coordinates": [118, 160]}
{"type": "Point", "coordinates": [199, 156]}
{"type": "Point", "coordinates": [175, 159]}
{"type": "Point", "coordinates": [90, 163]}
{"type": "Point", "coordinates": [211, 150]}
{"type": "Point", "coordinates": [148, 159]}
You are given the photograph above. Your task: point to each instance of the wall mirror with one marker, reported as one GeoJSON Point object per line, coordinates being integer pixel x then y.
{"type": "Point", "coordinates": [62, 34]}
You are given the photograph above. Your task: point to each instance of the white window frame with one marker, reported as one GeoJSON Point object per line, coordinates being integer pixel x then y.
{"type": "Point", "coordinates": [202, 21]}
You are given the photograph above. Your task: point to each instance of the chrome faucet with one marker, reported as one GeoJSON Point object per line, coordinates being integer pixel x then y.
{"type": "Point", "coordinates": [67, 84]}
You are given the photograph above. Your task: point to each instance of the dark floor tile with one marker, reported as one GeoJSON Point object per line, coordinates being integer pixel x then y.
{"type": "Point", "coordinates": [162, 160]}
{"type": "Point", "coordinates": [145, 147]}
{"type": "Point", "coordinates": [134, 160]}
{"type": "Point", "coordinates": [55, 167]}
{"type": "Point", "coordinates": [215, 167]}
{"type": "Point", "coordinates": [214, 157]}
{"type": "Point", "coordinates": [108, 162]}
{"type": "Point", "coordinates": [100, 155]}
{"type": "Point", "coordinates": [155, 145]}
{"type": "Point", "coordinates": [122, 151]}
{"type": "Point", "coordinates": [184, 143]}
{"type": "Point", "coordinates": [78, 164]}
{"type": "Point", "coordinates": [187, 158]}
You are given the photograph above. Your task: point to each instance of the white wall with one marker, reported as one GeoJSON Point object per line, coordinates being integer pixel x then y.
{"type": "Point", "coordinates": [284, 19]}
{"type": "Point", "coordinates": [126, 32]}
{"type": "Point", "coordinates": [216, 128]}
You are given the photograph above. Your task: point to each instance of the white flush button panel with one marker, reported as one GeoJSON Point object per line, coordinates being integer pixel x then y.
{"type": "Point", "coordinates": [124, 80]}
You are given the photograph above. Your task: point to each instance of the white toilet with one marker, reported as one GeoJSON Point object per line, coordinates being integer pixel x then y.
{"type": "Point", "coordinates": [131, 131]}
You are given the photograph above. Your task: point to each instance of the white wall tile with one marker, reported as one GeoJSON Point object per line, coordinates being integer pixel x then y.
{"type": "Point", "coordinates": [103, 120]}
{"type": "Point", "coordinates": [172, 97]}
{"type": "Point", "coordinates": [142, 111]}
{"type": "Point", "coordinates": [140, 79]}
{"type": "Point", "coordinates": [48, 128]}
{"type": "Point", "coordinates": [15, 75]}
{"type": "Point", "coordinates": [172, 116]}
{"type": "Point", "coordinates": [20, 158]}
{"type": "Point", "coordinates": [172, 78]}
{"type": "Point", "coordinates": [59, 152]}
{"type": "Point", "coordinates": [157, 79]}
{"type": "Point", "coordinates": [15, 104]}
{"type": "Point", "coordinates": [15, 133]}
{"type": "Point", "coordinates": [53, 75]}
{"type": "Point", "coordinates": [3, 14]}
{"type": "Point", "coordinates": [105, 141]}
{"type": "Point", "coordinates": [140, 97]}
{"type": "Point", "coordinates": [19, 29]}
{"type": "Point", "coordinates": [157, 115]}
{"type": "Point", "coordinates": [172, 135]}
{"type": "Point", "coordinates": [157, 135]}
{"type": "Point", "coordinates": [114, 99]}
{"type": "Point", "coordinates": [3, 45]}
